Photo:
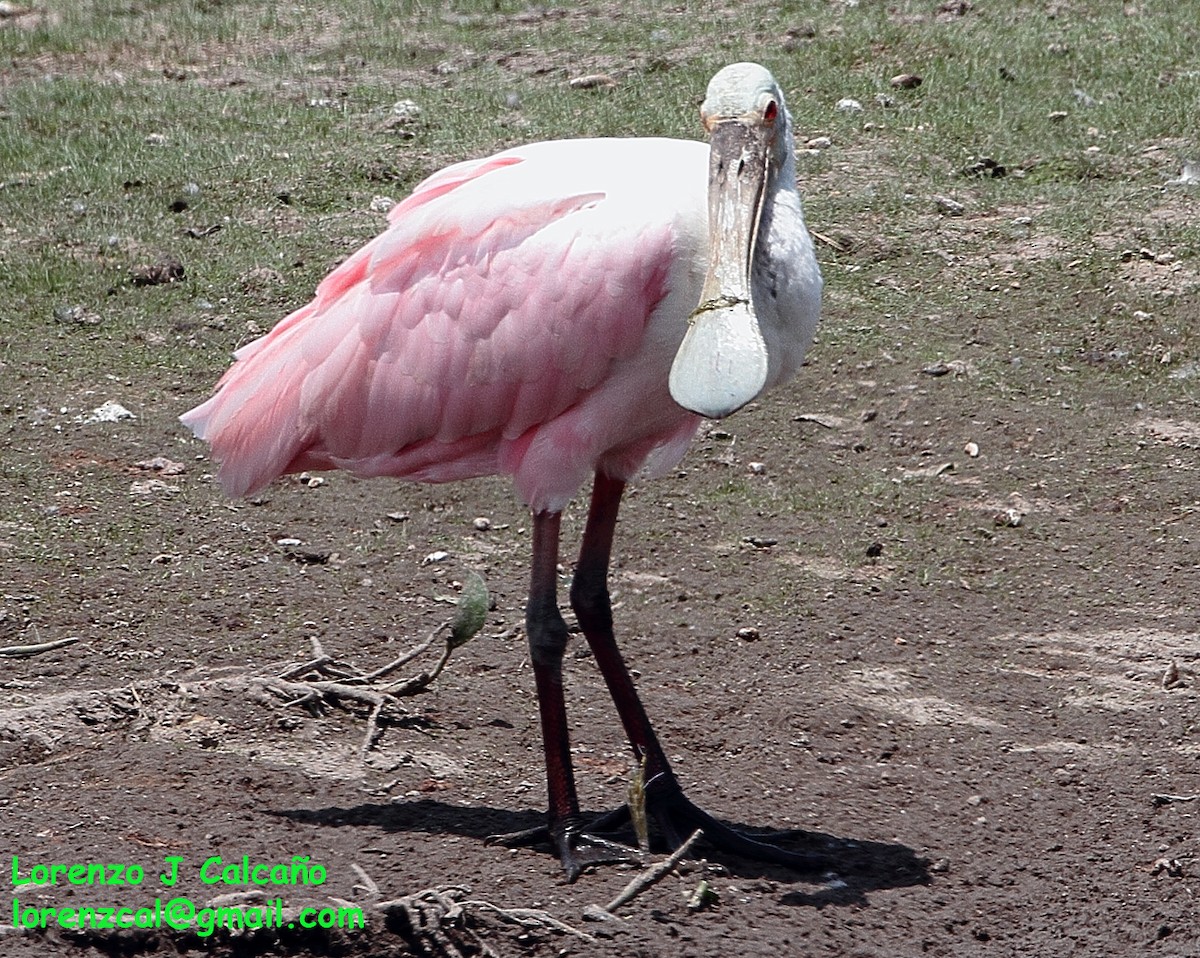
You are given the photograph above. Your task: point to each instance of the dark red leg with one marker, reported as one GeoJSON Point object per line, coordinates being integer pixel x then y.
{"type": "Point", "coordinates": [547, 634]}
{"type": "Point", "coordinates": [675, 814]}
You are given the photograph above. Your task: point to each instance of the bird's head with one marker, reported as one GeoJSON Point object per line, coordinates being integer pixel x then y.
{"type": "Point", "coordinates": [746, 95]}
{"type": "Point", "coordinates": [722, 363]}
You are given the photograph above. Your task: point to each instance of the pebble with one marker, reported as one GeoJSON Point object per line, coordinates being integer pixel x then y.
{"type": "Point", "coordinates": [405, 111]}
{"type": "Point", "coordinates": [948, 206]}
{"type": "Point", "coordinates": [433, 557]}
{"type": "Point", "coordinates": [848, 105]}
{"type": "Point", "coordinates": [592, 81]}
{"type": "Point", "coordinates": [482, 523]}
{"type": "Point", "coordinates": [1009, 517]}
{"type": "Point", "coordinates": [109, 411]}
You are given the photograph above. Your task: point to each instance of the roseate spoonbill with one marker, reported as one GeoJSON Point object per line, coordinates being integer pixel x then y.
{"type": "Point", "coordinates": [555, 311]}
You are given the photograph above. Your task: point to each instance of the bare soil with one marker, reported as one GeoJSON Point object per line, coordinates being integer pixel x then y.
{"type": "Point", "coordinates": [935, 622]}
{"type": "Point", "coordinates": [985, 722]}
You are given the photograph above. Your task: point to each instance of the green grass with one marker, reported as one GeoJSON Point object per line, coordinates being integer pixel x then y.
{"type": "Point", "coordinates": [112, 111]}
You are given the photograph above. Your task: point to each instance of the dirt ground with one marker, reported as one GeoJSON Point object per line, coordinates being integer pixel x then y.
{"type": "Point", "coordinates": [989, 727]}
{"type": "Point", "coordinates": [937, 622]}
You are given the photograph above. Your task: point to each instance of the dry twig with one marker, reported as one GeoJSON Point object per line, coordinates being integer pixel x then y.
{"type": "Point", "coordinates": [651, 876]}
{"type": "Point", "coordinates": [430, 912]}
{"type": "Point", "coordinates": [24, 651]}
{"type": "Point", "coordinates": [1169, 799]}
{"type": "Point", "coordinates": [321, 678]}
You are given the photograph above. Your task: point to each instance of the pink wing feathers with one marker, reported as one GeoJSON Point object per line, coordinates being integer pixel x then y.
{"type": "Point", "coordinates": [489, 308]}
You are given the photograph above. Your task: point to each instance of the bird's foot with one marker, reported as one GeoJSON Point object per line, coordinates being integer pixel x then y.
{"type": "Point", "coordinates": [677, 816]}
{"type": "Point", "coordinates": [577, 846]}
{"type": "Point", "coordinates": [581, 845]}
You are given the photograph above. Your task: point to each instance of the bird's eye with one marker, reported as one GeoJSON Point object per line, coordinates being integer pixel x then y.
{"type": "Point", "coordinates": [770, 111]}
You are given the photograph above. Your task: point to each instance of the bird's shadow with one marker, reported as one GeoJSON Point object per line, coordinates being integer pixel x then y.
{"type": "Point", "coordinates": [849, 868]}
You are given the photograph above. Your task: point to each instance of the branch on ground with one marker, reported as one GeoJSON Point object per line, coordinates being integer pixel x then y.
{"type": "Point", "coordinates": [322, 680]}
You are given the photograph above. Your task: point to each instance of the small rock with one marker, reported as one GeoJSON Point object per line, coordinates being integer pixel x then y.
{"type": "Point", "coordinates": [149, 487]}
{"type": "Point", "coordinates": [310, 481]}
{"type": "Point", "coordinates": [760, 542]}
{"type": "Point", "coordinates": [1189, 177]}
{"type": "Point", "coordinates": [1172, 868]}
{"type": "Point", "coordinates": [381, 204]}
{"type": "Point", "coordinates": [972, 449]}
{"type": "Point", "coordinates": [162, 465]}
{"type": "Point", "coordinates": [954, 8]}
{"type": "Point", "coordinates": [405, 111]}
{"type": "Point", "coordinates": [482, 523]}
{"type": "Point", "coordinates": [435, 557]}
{"type": "Point", "coordinates": [985, 166]}
{"type": "Point", "coordinates": [592, 81]}
{"type": "Point", "coordinates": [109, 411]}
{"type": "Point", "coordinates": [1010, 518]}
{"type": "Point", "coordinates": [758, 468]}
{"type": "Point", "coordinates": [1057, 116]}
{"type": "Point", "coordinates": [166, 269]}
{"type": "Point", "coordinates": [259, 277]}
{"type": "Point", "coordinates": [305, 557]}
{"type": "Point", "coordinates": [905, 81]}
{"type": "Point", "coordinates": [874, 550]}
{"type": "Point", "coordinates": [819, 143]}
{"type": "Point", "coordinates": [1171, 676]}
{"type": "Point", "coordinates": [399, 516]}
{"type": "Point", "coordinates": [79, 315]}
{"type": "Point", "coordinates": [748, 634]}
{"type": "Point", "coordinates": [948, 206]}
{"type": "Point", "coordinates": [848, 105]}
{"type": "Point", "coordinates": [825, 420]}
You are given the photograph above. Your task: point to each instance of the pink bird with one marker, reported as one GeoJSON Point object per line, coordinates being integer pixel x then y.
{"type": "Point", "coordinates": [555, 312]}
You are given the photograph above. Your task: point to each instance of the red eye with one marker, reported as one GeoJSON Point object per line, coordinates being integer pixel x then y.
{"type": "Point", "coordinates": [771, 111]}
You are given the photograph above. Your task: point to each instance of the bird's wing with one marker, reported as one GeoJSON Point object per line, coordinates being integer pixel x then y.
{"type": "Point", "coordinates": [502, 291]}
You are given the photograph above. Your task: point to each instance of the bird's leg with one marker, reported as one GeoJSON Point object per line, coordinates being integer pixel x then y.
{"type": "Point", "coordinates": [547, 634]}
{"type": "Point", "coordinates": [590, 600]}
{"type": "Point", "coordinates": [674, 813]}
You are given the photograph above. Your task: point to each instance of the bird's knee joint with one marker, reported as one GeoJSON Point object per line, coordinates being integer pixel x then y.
{"type": "Point", "coordinates": [548, 636]}
{"type": "Point", "coordinates": [591, 602]}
